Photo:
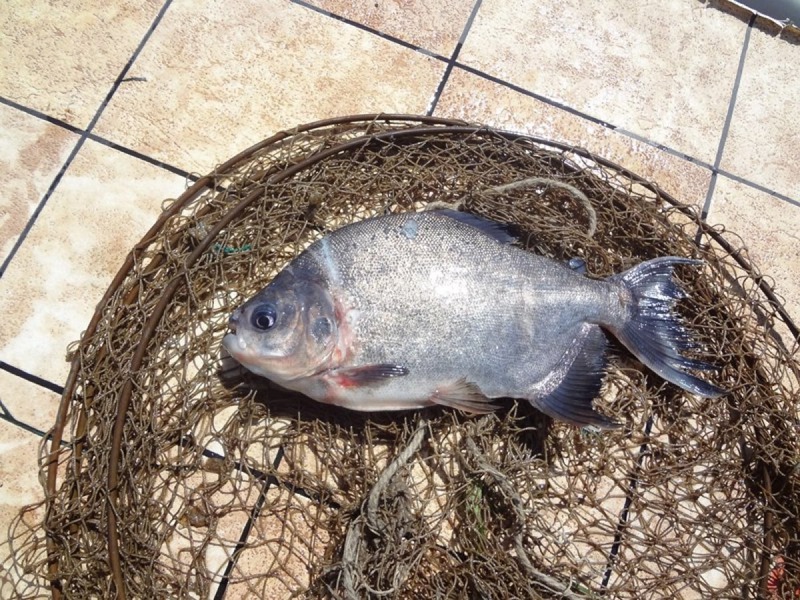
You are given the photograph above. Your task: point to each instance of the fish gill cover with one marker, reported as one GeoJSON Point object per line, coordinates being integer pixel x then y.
{"type": "Point", "coordinates": [172, 473]}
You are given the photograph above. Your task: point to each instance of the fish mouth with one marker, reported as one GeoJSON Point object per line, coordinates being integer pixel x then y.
{"type": "Point", "coordinates": [277, 368]}
{"type": "Point", "coordinates": [231, 341]}
{"type": "Point", "coordinates": [233, 321]}
{"type": "Point", "coordinates": [245, 355]}
{"type": "Point", "coordinates": [239, 352]}
{"type": "Point", "coordinates": [242, 354]}
{"type": "Point", "coordinates": [232, 344]}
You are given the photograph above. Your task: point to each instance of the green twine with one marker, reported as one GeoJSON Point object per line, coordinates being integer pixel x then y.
{"type": "Point", "coordinates": [228, 250]}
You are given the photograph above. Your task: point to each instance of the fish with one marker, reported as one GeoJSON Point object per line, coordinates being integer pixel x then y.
{"type": "Point", "coordinates": [411, 310]}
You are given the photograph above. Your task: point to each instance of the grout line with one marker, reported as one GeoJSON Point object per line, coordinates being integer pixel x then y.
{"type": "Point", "coordinates": [629, 134]}
{"type": "Point", "coordinates": [26, 230]}
{"type": "Point", "coordinates": [759, 187]}
{"type": "Point", "coordinates": [9, 418]}
{"type": "Point", "coordinates": [84, 136]}
{"type": "Point", "coordinates": [437, 94]}
{"type": "Point", "coordinates": [623, 516]}
{"type": "Point", "coordinates": [451, 63]}
{"type": "Point", "coordinates": [262, 476]}
{"type": "Point", "coordinates": [371, 30]}
{"type": "Point", "coordinates": [6, 415]}
{"type": "Point", "coordinates": [40, 115]}
{"type": "Point", "coordinates": [222, 588]}
{"type": "Point", "coordinates": [728, 118]}
{"type": "Point", "coordinates": [545, 99]}
{"type": "Point", "coordinates": [254, 514]}
{"type": "Point", "coordinates": [99, 139]}
{"type": "Point", "coordinates": [143, 157]}
{"type": "Point", "coordinates": [712, 185]}
{"type": "Point", "coordinates": [665, 149]}
{"type": "Point", "coordinates": [58, 389]}
{"type": "Point", "coordinates": [41, 382]}
{"type": "Point", "coordinates": [472, 70]}
{"type": "Point", "coordinates": [585, 116]}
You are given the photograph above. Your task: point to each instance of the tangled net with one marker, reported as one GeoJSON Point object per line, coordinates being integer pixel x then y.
{"type": "Point", "coordinates": [172, 474]}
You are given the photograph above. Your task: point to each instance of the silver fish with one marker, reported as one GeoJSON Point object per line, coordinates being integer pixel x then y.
{"type": "Point", "coordinates": [410, 310]}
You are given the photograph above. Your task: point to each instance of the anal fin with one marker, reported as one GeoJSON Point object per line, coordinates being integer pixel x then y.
{"type": "Point", "coordinates": [463, 395]}
{"type": "Point", "coordinates": [571, 400]}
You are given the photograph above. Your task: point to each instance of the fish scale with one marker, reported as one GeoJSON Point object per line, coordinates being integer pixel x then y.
{"type": "Point", "coordinates": [441, 301]}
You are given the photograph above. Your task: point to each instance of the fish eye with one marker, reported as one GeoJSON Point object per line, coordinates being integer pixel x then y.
{"type": "Point", "coordinates": [264, 317]}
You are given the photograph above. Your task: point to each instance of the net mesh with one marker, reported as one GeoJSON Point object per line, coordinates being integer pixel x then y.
{"type": "Point", "coordinates": [172, 473]}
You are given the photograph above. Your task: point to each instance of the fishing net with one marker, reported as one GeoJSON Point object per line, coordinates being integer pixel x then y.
{"type": "Point", "coordinates": [171, 473]}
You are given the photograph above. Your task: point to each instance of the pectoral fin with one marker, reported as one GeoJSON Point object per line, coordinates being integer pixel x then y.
{"type": "Point", "coordinates": [463, 395]}
{"type": "Point", "coordinates": [367, 375]}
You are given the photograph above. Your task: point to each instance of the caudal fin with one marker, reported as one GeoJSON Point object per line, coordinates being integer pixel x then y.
{"type": "Point", "coordinates": [654, 333]}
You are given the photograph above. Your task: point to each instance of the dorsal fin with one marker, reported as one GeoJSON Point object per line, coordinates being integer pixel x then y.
{"type": "Point", "coordinates": [497, 231]}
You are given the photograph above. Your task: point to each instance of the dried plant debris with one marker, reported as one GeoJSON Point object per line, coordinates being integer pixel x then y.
{"type": "Point", "coordinates": [171, 473]}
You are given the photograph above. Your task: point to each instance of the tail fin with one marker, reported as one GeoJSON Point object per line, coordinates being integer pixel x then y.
{"type": "Point", "coordinates": [654, 333]}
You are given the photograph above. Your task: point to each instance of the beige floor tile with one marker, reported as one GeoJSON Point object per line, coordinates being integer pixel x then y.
{"type": "Point", "coordinates": [473, 98]}
{"type": "Point", "coordinates": [688, 511]}
{"type": "Point", "coordinates": [769, 228]}
{"type": "Point", "coordinates": [667, 534]}
{"type": "Point", "coordinates": [210, 523]}
{"type": "Point", "coordinates": [28, 402]}
{"type": "Point", "coordinates": [19, 487]}
{"type": "Point", "coordinates": [763, 144]}
{"type": "Point", "coordinates": [432, 25]}
{"type": "Point", "coordinates": [103, 205]}
{"type": "Point", "coordinates": [223, 76]}
{"type": "Point", "coordinates": [31, 154]}
{"type": "Point", "coordinates": [666, 74]}
{"type": "Point", "coordinates": [285, 547]}
{"type": "Point", "coordinates": [62, 58]}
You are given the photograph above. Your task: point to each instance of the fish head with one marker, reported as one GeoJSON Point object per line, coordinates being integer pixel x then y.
{"type": "Point", "coordinates": [287, 331]}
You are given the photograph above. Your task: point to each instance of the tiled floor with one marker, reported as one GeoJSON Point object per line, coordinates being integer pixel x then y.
{"type": "Point", "coordinates": [106, 110]}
